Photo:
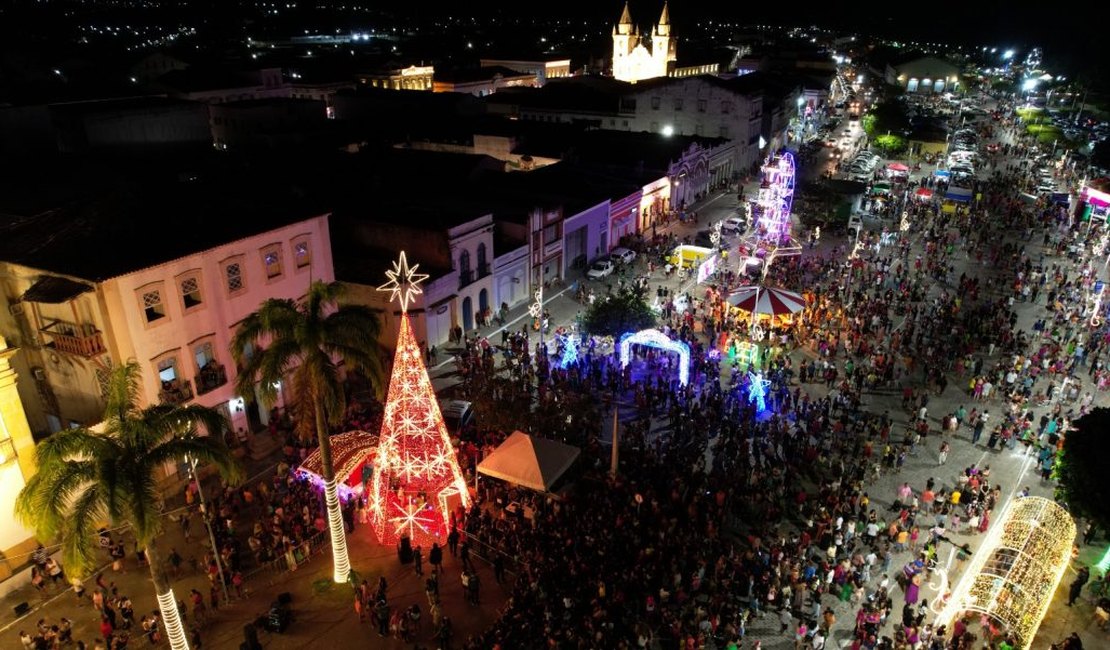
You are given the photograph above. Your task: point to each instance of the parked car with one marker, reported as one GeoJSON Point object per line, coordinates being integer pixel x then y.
{"type": "Point", "coordinates": [457, 414]}
{"type": "Point", "coordinates": [733, 225]}
{"type": "Point", "coordinates": [600, 268]}
{"type": "Point", "coordinates": [623, 255]}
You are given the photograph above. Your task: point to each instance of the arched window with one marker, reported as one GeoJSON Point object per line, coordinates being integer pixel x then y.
{"type": "Point", "coordinates": [483, 266]}
{"type": "Point", "coordinates": [465, 276]}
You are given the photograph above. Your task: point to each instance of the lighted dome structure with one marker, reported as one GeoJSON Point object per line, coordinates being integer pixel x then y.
{"type": "Point", "coordinates": [1016, 571]}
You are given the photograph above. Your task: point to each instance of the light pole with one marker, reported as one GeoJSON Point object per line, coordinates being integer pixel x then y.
{"type": "Point", "coordinates": [208, 524]}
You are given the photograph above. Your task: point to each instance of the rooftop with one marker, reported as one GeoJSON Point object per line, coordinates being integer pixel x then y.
{"type": "Point", "coordinates": [472, 75]}
{"type": "Point", "coordinates": [100, 218]}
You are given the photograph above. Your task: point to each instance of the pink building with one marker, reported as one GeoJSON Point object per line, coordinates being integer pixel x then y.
{"type": "Point", "coordinates": [163, 283]}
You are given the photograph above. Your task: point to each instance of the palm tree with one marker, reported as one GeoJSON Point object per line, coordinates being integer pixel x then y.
{"type": "Point", "coordinates": [307, 340]}
{"type": "Point", "coordinates": [86, 477]}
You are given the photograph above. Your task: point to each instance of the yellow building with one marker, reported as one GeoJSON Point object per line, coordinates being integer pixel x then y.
{"type": "Point", "coordinates": [17, 464]}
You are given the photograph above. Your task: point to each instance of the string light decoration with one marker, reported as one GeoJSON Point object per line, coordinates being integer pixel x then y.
{"type": "Point", "coordinates": [338, 533]}
{"type": "Point", "coordinates": [757, 391]}
{"type": "Point", "coordinates": [656, 339]}
{"type": "Point", "coordinates": [171, 618]}
{"type": "Point", "coordinates": [1016, 571]}
{"type": "Point", "coordinates": [417, 480]}
{"type": "Point", "coordinates": [349, 451]}
{"type": "Point", "coordinates": [570, 351]}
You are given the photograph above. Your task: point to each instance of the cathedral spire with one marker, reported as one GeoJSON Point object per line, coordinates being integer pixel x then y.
{"type": "Point", "coordinates": [665, 19]}
{"type": "Point", "coordinates": [626, 15]}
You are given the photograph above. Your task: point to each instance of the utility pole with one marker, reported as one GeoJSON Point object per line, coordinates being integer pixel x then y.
{"type": "Point", "coordinates": [211, 536]}
{"type": "Point", "coordinates": [614, 461]}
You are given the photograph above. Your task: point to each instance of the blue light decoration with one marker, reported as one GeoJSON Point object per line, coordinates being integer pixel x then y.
{"type": "Point", "coordinates": [570, 351]}
{"type": "Point", "coordinates": [757, 391]}
{"type": "Point", "coordinates": [656, 339]}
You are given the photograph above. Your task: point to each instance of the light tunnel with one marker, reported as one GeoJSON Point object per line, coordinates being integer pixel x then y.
{"type": "Point", "coordinates": [1014, 574]}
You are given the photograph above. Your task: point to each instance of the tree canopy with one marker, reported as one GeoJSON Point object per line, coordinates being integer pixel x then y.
{"type": "Point", "coordinates": [618, 313]}
{"type": "Point", "coordinates": [1082, 467]}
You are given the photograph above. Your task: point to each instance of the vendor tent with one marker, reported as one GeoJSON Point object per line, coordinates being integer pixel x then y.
{"type": "Point", "coordinates": [528, 461]}
{"type": "Point", "coordinates": [897, 167]}
{"type": "Point", "coordinates": [961, 194]}
{"type": "Point", "coordinates": [923, 193]}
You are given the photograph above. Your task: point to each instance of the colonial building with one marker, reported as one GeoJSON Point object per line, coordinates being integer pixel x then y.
{"type": "Point", "coordinates": [483, 81]}
{"type": "Point", "coordinates": [17, 465]}
{"type": "Point", "coordinates": [92, 284]}
{"type": "Point", "coordinates": [543, 69]}
{"type": "Point", "coordinates": [413, 77]}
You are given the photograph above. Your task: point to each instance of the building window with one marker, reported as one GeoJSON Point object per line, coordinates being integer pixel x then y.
{"type": "Point", "coordinates": [723, 132]}
{"type": "Point", "coordinates": [483, 263]}
{"type": "Point", "coordinates": [103, 379]}
{"type": "Point", "coordinates": [654, 127]}
{"type": "Point", "coordinates": [302, 254]}
{"type": "Point", "coordinates": [271, 260]}
{"type": "Point", "coordinates": [153, 308]}
{"type": "Point", "coordinates": [702, 104]}
{"type": "Point", "coordinates": [678, 103]}
{"type": "Point", "coordinates": [726, 107]}
{"type": "Point", "coordinates": [204, 355]}
{"type": "Point", "coordinates": [190, 292]}
{"type": "Point", "coordinates": [655, 102]}
{"type": "Point", "coordinates": [234, 274]}
{"type": "Point", "coordinates": [167, 371]}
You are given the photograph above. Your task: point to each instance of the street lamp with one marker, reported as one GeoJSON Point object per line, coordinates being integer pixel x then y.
{"type": "Point", "coordinates": [208, 524]}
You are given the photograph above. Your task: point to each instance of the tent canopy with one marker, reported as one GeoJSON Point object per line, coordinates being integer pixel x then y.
{"type": "Point", "coordinates": [762, 300]}
{"type": "Point", "coordinates": [534, 463]}
{"type": "Point", "coordinates": [961, 194]}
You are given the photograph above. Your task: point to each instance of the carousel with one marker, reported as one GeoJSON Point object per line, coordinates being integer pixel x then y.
{"type": "Point", "coordinates": [767, 311]}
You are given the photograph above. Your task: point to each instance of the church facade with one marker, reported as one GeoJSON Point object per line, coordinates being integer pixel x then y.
{"type": "Point", "coordinates": [637, 57]}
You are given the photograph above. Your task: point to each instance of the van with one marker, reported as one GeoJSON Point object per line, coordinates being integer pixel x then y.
{"type": "Point", "coordinates": [457, 415]}
{"type": "Point", "coordinates": [687, 257]}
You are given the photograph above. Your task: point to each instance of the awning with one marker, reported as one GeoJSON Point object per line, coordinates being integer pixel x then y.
{"type": "Point", "coordinates": [530, 462]}
{"type": "Point", "coordinates": [770, 302]}
{"type": "Point", "coordinates": [923, 193]}
{"type": "Point", "coordinates": [943, 173]}
{"type": "Point", "coordinates": [52, 289]}
{"type": "Point", "coordinates": [897, 167]}
{"type": "Point", "coordinates": [961, 194]}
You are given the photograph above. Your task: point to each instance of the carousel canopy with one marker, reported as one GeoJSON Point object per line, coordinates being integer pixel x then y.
{"type": "Point", "coordinates": [534, 463]}
{"type": "Point", "coordinates": [348, 450]}
{"type": "Point", "coordinates": [771, 302]}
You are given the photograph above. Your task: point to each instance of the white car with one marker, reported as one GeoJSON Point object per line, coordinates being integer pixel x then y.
{"type": "Point", "coordinates": [600, 268]}
{"type": "Point", "coordinates": [623, 255]}
{"type": "Point", "coordinates": [733, 225]}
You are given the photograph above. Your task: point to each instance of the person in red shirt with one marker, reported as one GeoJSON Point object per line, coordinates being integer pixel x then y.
{"type": "Point", "coordinates": [106, 629]}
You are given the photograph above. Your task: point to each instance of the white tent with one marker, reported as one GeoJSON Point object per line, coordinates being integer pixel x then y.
{"type": "Point", "coordinates": [534, 463]}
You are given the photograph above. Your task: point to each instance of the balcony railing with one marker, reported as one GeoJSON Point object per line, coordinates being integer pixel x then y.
{"type": "Point", "coordinates": [82, 340]}
{"type": "Point", "coordinates": [210, 377]}
{"type": "Point", "coordinates": [177, 391]}
{"type": "Point", "coordinates": [483, 270]}
{"type": "Point", "coordinates": [466, 276]}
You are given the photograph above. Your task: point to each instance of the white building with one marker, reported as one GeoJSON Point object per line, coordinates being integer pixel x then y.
{"type": "Point", "coordinates": [637, 57]}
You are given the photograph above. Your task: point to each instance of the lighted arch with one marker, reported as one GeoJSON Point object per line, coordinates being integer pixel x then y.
{"type": "Point", "coordinates": [656, 339]}
{"type": "Point", "coordinates": [1015, 572]}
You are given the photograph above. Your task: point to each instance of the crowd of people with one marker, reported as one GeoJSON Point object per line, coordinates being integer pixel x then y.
{"type": "Point", "coordinates": [683, 551]}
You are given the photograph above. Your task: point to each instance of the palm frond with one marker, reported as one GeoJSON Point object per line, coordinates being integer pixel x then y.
{"type": "Point", "coordinates": [205, 449]}
{"type": "Point", "coordinates": [44, 502]}
{"type": "Point", "coordinates": [79, 531]}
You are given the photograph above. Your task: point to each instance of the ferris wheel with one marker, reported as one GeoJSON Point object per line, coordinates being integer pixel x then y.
{"type": "Point", "coordinates": [775, 199]}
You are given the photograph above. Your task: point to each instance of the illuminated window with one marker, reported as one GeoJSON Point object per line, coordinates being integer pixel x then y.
{"type": "Point", "coordinates": [271, 261]}
{"type": "Point", "coordinates": [302, 255]}
{"type": "Point", "coordinates": [153, 309]}
{"type": "Point", "coordinates": [190, 292]}
{"type": "Point", "coordinates": [234, 274]}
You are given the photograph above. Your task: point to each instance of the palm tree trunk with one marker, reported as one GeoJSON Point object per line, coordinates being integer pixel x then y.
{"type": "Point", "coordinates": [340, 560]}
{"type": "Point", "coordinates": [167, 602]}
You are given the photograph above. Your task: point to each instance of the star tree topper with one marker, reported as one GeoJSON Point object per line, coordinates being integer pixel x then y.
{"type": "Point", "coordinates": [404, 282]}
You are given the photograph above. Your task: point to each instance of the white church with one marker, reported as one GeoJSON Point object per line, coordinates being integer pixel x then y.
{"type": "Point", "coordinates": [637, 57]}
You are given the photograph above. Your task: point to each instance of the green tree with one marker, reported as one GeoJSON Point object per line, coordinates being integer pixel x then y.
{"type": "Point", "coordinates": [887, 117]}
{"type": "Point", "coordinates": [306, 341]}
{"type": "Point", "coordinates": [86, 477]}
{"type": "Point", "coordinates": [1081, 467]}
{"type": "Point", "coordinates": [618, 313]}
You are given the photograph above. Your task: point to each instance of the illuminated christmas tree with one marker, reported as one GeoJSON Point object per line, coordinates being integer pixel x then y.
{"type": "Point", "coordinates": [417, 481]}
